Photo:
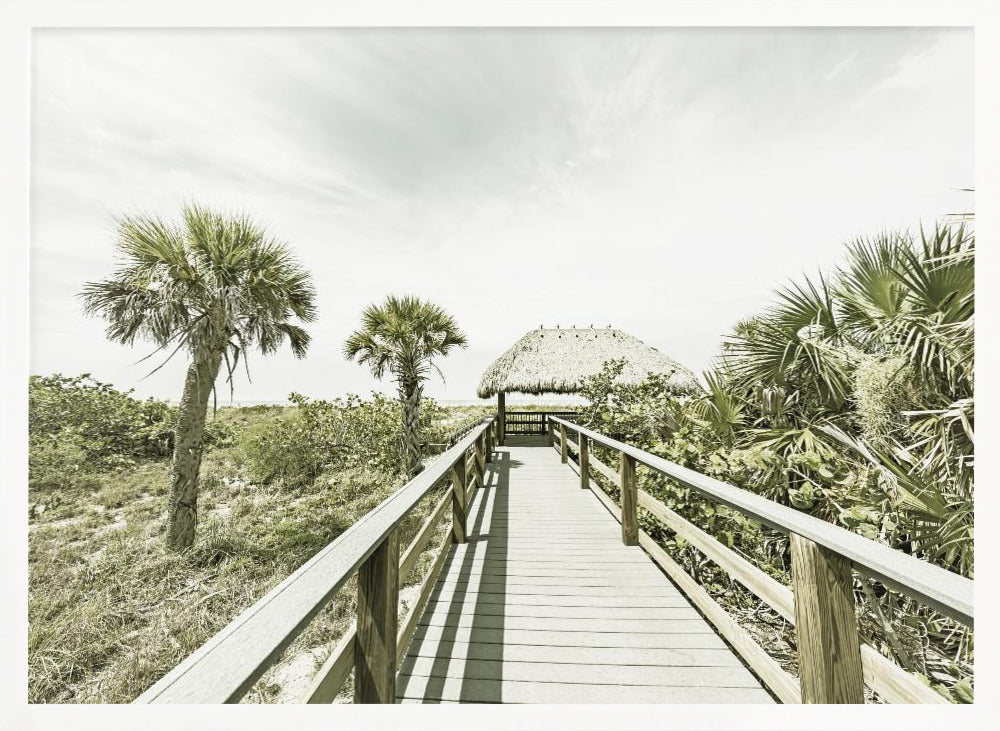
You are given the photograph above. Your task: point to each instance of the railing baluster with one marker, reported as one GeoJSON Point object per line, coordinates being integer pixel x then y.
{"type": "Point", "coordinates": [826, 626]}
{"type": "Point", "coordinates": [375, 644]}
{"type": "Point", "coordinates": [630, 522]}
{"type": "Point", "coordinates": [458, 500]}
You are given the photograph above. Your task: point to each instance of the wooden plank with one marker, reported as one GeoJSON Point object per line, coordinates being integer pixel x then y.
{"type": "Point", "coordinates": [947, 592]}
{"type": "Point", "coordinates": [768, 589]}
{"type": "Point", "coordinates": [419, 542]}
{"type": "Point", "coordinates": [555, 590]}
{"type": "Point", "coordinates": [636, 571]}
{"type": "Point", "coordinates": [676, 609]}
{"type": "Point", "coordinates": [583, 673]}
{"type": "Point", "coordinates": [570, 639]}
{"type": "Point", "coordinates": [608, 473]}
{"type": "Point", "coordinates": [416, 611]}
{"type": "Point", "coordinates": [378, 608]}
{"type": "Point", "coordinates": [482, 597]}
{"type": "Point", "coordinates": [893, 683]}
{"type": "Point", "coordinates": [552, 581]}
{"type": "Point", "coordinates": [783, 685]}
{"type": "Point", "coordinates": [581, 569]}
{"type": "Point", "coordinates": [511, 691]}
{"type": "Point", "coordinates": [691, 625]}
{"type": "Point", "coordinates": [825, 624]}
{"type": "Point", "coordinates": [224, 668]}
{"type": "Point", "coordinates": [330, 679]}
{"type": "Point", "coordinates": [629, 517]}
{"type": "Point", "coordinates": [611, 656]}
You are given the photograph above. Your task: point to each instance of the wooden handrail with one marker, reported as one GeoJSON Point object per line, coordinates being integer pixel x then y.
{"type": "Point", "coordinates": [940, 589]}
{"type": "Point", "coordinates": [833, 664]}
{"type": "Point", "coordinates": [226, 666]}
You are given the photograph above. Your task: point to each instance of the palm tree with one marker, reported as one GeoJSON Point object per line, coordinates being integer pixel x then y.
{"type": "Point", "coordinates": [402, 336]}
{"type": "Point", "coordinates": [214, 286]}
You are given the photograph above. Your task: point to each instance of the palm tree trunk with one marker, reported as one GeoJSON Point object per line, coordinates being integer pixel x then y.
{"type": "Point", "coordinates": [182, 511]}
{"type": "Point", "coordinates": [409, 398]}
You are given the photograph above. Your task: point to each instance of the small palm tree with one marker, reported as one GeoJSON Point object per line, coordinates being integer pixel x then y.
{"type": "Point", "coordinates": [402, 336]}
{"type": "Point", "coordinates": [214, 286]}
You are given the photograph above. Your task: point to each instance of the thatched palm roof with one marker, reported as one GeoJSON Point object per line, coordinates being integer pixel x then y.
{"type": "Point", "coordinates": [557, 360]}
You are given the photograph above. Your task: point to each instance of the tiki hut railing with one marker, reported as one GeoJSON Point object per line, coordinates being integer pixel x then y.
{"type": "Point", "coordinates": [834, 666]}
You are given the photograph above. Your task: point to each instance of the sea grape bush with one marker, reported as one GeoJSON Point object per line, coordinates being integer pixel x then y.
{"type": "Point", "coordinates": [104, 426]}
{"type": "Point", "coordinates": [319, 435]}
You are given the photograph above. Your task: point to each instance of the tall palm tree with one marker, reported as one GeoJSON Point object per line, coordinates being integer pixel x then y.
{"type": "Point", "coordinates": [213, 286]}
{"type": "Point", "coordinates": [402, 336]}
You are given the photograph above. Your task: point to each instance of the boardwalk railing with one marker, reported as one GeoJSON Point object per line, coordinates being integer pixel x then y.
{"type": "Point", "coordinates": [226, 667]}
{"type": "Point", "coordinates": [533, 423]}
{"type": "Point", "coordinates": [833, 664]}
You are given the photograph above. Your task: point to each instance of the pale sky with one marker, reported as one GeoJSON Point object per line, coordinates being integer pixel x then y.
{"type": "Point", "coordinates": [661, 181]}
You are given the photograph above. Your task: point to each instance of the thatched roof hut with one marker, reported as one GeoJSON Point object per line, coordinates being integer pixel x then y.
{"type": "Point", "coordinates": [557, 360]}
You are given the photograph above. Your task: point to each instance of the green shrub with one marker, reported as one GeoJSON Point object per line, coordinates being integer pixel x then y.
{"type": "Point", "coordinates": [283, 449]}
{"type": "Point", "coordinates": [110, 427]}
{"type": "Point", "coordinates": [345, 433]}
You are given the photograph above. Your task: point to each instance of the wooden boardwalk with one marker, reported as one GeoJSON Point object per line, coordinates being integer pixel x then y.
{"type": "Point", "coordinates": [545, 605]}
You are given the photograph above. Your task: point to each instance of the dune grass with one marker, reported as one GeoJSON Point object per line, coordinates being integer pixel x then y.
{"type": "Point", "coordinates": [111, 609]}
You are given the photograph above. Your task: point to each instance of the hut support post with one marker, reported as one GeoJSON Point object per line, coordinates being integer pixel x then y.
{"type": "Point", "coordinates": [501, 418]}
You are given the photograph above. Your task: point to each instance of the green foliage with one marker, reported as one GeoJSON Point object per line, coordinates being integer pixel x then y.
{"type": "Point", "coordinates": [214, 282]}
{"type": "Point", "coordinates": [403, 337]}
{"type": "Point", "coordinates": [883, 389]}
{"type": "Point", "coordinates": [345, 433]}
{"type": "Point", "coordinates": [78, 423]}
{"type": "Point", "coordinates": [642, 412]}
{"type": "Point", "coordinates": [850, 399]}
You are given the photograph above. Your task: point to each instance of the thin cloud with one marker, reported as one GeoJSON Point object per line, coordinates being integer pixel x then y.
{"type": "Point", "coordinates": [660, 179]}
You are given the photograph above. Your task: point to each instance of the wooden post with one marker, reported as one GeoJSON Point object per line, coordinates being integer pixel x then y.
{"type": "Point", "coordinates": [552, 434]}
{"type": "Point", "coordinates": [825, 624]}
{"type": "Point", "coordinates": [375, 642]}
{"type": "Point", "coordinates": [501, 418]}
{"type": "Point", "coordinates": [489, 443]}
{"type": "Point", "coordinates": [458, 500]}
{"type": "Point", "coordinates": [563, 449]}
{"type": "Point", "coordinates": [479, 463]}
{"type": "Point", "coordinates": [584, 460]}
{"type": "Point", "coordinates": [630, 498]}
